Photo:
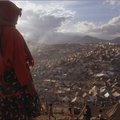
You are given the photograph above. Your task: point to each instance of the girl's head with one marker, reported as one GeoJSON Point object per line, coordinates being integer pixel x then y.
{"type": "Point", "coordinates": [9, 12]}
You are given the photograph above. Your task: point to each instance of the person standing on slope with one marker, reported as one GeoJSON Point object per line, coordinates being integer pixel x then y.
{"type": "Point", "coordinates": [18, 97]}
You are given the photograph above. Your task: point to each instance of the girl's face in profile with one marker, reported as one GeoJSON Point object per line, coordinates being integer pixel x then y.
{"type": "Point", "coordinates": [15, 20]}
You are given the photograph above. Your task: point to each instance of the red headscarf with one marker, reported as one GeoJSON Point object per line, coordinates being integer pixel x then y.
{"type": "Point", "coordinates": [9, 11]}
{"type": "Point", "coordinates": [15, 53]}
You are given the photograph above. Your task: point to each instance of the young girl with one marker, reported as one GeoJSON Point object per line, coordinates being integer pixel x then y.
{"type": "Point", "coordinates": [18, 97]}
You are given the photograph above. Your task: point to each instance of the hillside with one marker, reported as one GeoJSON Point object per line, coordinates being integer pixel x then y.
{"type": "Point", "coordinates": [74, 61]}
{"type": "Point", "coordinates": [70, 73]}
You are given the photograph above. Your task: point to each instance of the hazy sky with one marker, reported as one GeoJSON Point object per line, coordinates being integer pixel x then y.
{"type": "Point", "coordinates": [42, 19]}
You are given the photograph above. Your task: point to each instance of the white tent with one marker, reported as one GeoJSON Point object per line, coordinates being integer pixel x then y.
{"type": "Point", "coordinates": [106, 95]}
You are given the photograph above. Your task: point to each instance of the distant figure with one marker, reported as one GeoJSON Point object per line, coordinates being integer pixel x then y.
{"type": "Point", "coordinates": [18, 97]}
{"type": "Point", "coordinates": [100, 116]}
{"type": "Point", "coordinates": [87, 113]}
{"type": "Point", "coordinates": [50, 111]}
{"type": "Point", "coordinates": [71, 111]}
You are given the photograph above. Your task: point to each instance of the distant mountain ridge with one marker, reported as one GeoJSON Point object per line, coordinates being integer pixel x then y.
{"type": "Point", "coordinates": [78, 39]}
{"type": "Point", "coordinates": [116, 40]}
{"type": "Point", "coordinates": [90, 39]}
